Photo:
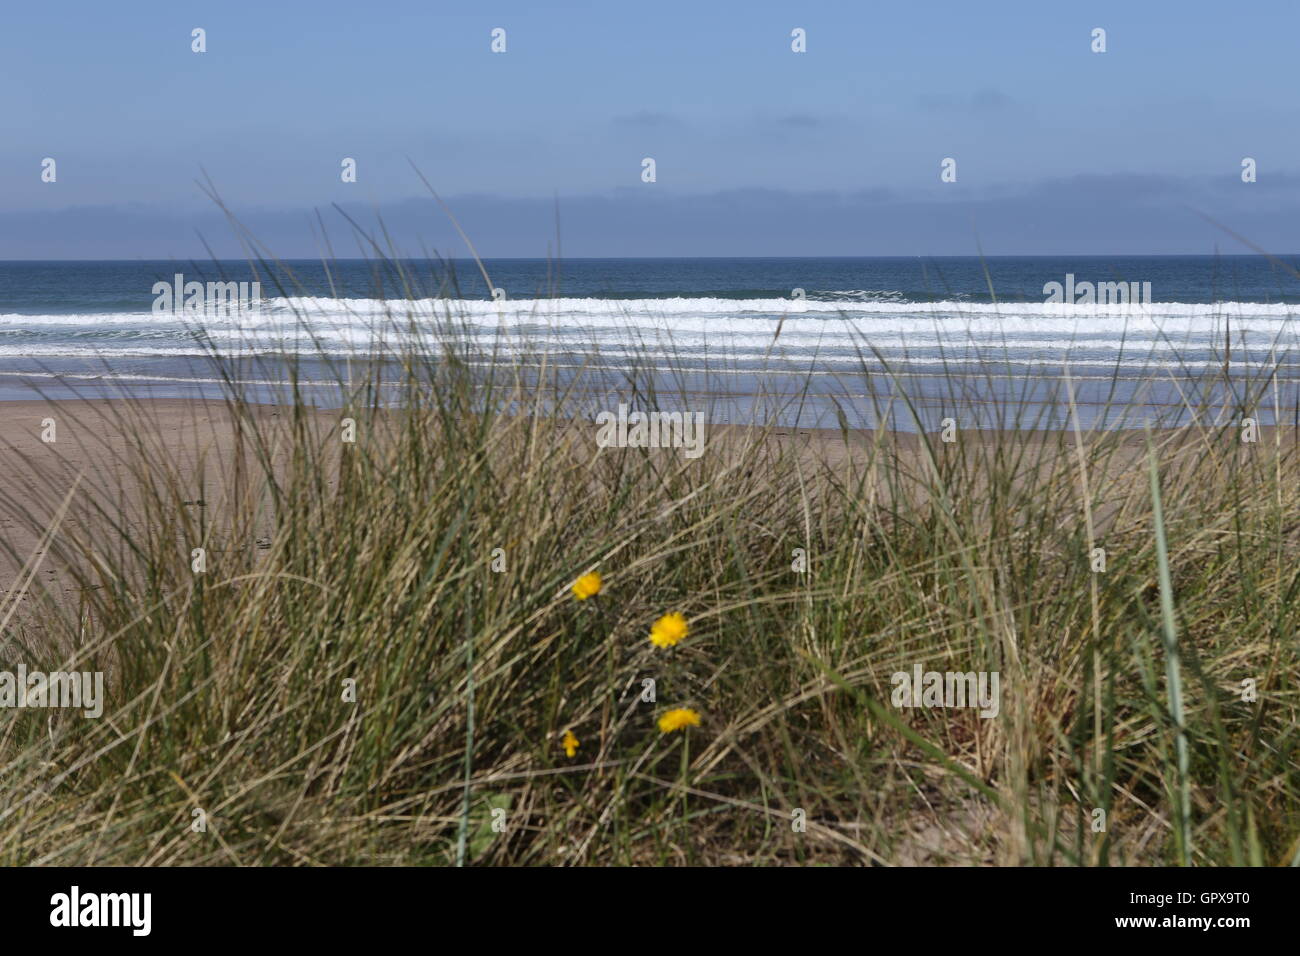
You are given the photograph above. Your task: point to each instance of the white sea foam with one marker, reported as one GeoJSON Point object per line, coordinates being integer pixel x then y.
{"type": "Point", "coordinates": [738, 329]}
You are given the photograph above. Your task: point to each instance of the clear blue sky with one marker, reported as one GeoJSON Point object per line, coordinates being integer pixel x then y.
{"type": "Point", "coordinates": [759, 150]}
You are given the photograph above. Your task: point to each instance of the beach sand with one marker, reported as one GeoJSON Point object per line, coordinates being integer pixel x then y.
{"type": "Point", "coordinates": [95, 439]}
{"type": "Point", "coordinates": [86, 465]}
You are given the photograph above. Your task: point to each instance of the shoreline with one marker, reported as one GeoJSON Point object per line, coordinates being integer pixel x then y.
{"type": "Point", "coordinates": [1032, 405]}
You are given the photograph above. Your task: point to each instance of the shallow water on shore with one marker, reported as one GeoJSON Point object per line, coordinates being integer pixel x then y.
{"type": "Point", "coordinates": [974, 395]}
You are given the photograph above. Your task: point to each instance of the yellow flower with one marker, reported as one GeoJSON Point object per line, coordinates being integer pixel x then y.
{"type": "Point", "coordinates": [587, 586]}
{"type": "Point", "coordinates": [678, 719]}
{"type": "Point", "coordinates": [570, 743]}
{"type": "Point", "coordinates": [668, 630]}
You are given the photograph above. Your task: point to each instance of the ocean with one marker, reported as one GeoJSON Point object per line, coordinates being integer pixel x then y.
{"type": "Point", "coordinates": [907, 342]}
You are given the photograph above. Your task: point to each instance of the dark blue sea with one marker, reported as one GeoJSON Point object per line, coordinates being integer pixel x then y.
{"type": "Point", "coordinates": [808, 342]}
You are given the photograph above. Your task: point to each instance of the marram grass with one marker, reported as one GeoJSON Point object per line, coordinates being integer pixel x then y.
{"type": "Point", "coordinates": [430, 646]}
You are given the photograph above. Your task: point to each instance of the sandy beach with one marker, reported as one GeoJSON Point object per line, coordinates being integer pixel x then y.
{"type": "Point", "coordinates": [94, 441]}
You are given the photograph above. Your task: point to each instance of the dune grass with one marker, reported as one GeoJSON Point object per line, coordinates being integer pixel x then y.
{"type": "Point", "coordinates": [382, 657]}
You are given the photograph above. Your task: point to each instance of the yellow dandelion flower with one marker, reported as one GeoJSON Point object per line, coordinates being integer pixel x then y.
{"type": "Point", "coordinates": [668, 630]}
{"type": "Point", "coordinates": [588, 585]}
{"type": "Point", "coordinates": [678, 719]}
{"type": "Point", "coordinates": [570, 743]}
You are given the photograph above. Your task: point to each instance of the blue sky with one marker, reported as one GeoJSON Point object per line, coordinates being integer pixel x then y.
{"type": "Point", "coordinates": [759, 150]}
